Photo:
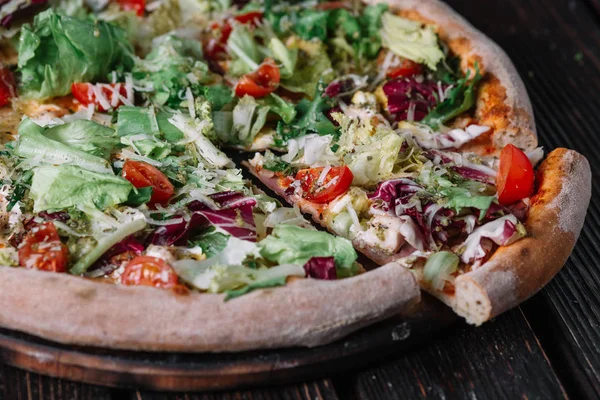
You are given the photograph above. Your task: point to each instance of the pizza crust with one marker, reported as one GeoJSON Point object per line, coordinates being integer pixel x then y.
{"type": "Point", "coordinates": [503, 103]}
{"type": "Point", "coordinates": [306, 312]}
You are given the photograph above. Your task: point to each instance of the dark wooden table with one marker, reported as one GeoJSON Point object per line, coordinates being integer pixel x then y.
{"type": "Point", "coordinates": [547, 348]}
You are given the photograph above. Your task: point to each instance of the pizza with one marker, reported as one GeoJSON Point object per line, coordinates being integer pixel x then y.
{"type": "Point", "coordinates": [403, 132]}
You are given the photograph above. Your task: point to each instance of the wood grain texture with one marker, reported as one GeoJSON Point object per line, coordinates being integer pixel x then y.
{"type": "Point", "coordinates": [16, 384]}
{"type": "Point", "coordinates": [499, 360]}
{"type": "Point", "coordinates": [315, 390]}
{"type": "Point", "coordinates": [556, 48]}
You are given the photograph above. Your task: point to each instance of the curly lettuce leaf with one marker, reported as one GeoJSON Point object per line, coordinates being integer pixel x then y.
{"type": "Point", "coordinates": [411, 40]}
{"type": "Point", "coordinates": [57, 51]}
{"type": "Point", "coordinates": [290, 244]}
{"type": "Point", "coordinates": [313, 65]}
{"type": "Point", "coordinates": [66, 186]}
{"type": "Point", "coordinates": [37, 148]}
{"type": "Point", "coordinates": [309, 118]}
{"type": "Point", "coordinates": [173, 65]}
{"type": "Point", "coordinates": [84, 135]}
{"type": "Point", "coordinates": [243, 46]}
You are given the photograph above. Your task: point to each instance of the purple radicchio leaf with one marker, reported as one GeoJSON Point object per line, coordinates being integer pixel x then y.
{"type": "Point", "coordinates": [321, 268]}
{"type": "Point", "coordinates": [342, 87]}
{"type": "Point", "coordinates": [404, 93]}
{"type": "Point", "coordinates": [388, 192]}
{"type": "Point", "coordinates": [61, 216]}
{"type": "Point", "coordinates": [233, 215]}
{"type": "Point", "coordinates": [130, 243]}
{"type": "Point", "coordinates": [474, 175]}
{"type": "Point", "coordinates": [103, 266]}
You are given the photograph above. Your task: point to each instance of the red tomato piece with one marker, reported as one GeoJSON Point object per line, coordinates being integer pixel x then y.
{"type": "Point", "coordinates": [7, 86]}
{"type": "Point", "coordinates": [216, 45]}
{"type": "Point", "coordinates": [406, 69]}
{"type": "Point", "coordinates": [84, 93]}
{"type": "Point", "coordinates": [260, 82]}
{"type": "Point", "coordinates": [335, 183]}
{"type": "Point", "coordinates": [42, 249]}
{"type": "Point", "coordinates": [253, 18]}
{"type": "Point", "coordinates": [139, 6]}
{"type": "Point", "coordinates": [149, 271]}
{"type": "Point", "coordinates": [515, 176]}
{"type": "Point", "coordinates": [142, 174]}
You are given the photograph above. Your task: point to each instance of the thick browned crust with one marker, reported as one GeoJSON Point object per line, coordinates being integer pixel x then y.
{"type": "Point", "coordinates": [515, 272]}
{"type": "Point", "coordinates": [502, 103]}
{"type": "Point", "coordinates": [306, 312]}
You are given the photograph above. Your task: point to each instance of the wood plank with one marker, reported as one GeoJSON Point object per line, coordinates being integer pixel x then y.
{"type": "Point", "coordinates": [556, 48]}
{"type": "Point", "coordinates": [500, 360]}
{"type": "Point", "coordinates": [16, 384]}
{"type": "Point", "coordinates": [315, 390]}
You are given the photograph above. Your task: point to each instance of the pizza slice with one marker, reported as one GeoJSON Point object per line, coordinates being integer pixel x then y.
{"type": "Point", "coordinates": [421, 163]}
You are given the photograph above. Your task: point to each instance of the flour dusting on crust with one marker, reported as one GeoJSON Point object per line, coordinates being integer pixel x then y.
{"type": "Point", "coordinates": [576, 186]}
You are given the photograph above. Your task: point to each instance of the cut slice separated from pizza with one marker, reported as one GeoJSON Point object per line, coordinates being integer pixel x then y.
{"type": "Point", "coordinates": [398, 127]}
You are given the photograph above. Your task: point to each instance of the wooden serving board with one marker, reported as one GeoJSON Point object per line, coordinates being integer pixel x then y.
{"type": "Point", "coordinates": [187, 371]}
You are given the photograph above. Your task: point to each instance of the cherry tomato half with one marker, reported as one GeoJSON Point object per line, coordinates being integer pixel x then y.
{"type": "Point", "coordinates": [149, 271]}
{"type": "Point", "coordinates": [253, 18]}
{"type": "Point", "coordinates": [215, 47]}
{"type": "Point", "coordinates": [515, 176]}
{"type": "Point", "coordinates": [335, 183]}
{"type": "Point", "coordinates": [42, 249]}
{"type": "Point", "coordinates": [261, 82]}
{"type": "Point", "coordinates": [142, 174]}
{"type": "Point", "coordinates": [138, 6]}
{"type": "Point", "coordinates": [406, 69]}
{"type": "Point", "coordinates": [84, 93]}
{"type": "Point", "coordinates": [7, 86]}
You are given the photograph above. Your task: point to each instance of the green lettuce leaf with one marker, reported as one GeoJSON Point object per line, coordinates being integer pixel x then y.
{"type": "Point", "coordinates": [285, 56]}
{"type": "Point", "coordinates": [370, 153]}
{"type": "Point", "coordinates": [439, 267]}
{"type": "Point", "coordinates": [105, 243]}
{"type": "Point", "coordinates": [310, 118]}
{"type": "Point", "coordinates": [145, 120]}
{"type": "Point", "coordinates": [313, 65]}
{"type": "Point", "coordinates": [248, 119]}
{"type": "Point", "coordinates": [218, 96]}
{"type": "Point", "coordinates": [34, 146]}
{"type": "Point", "coordinates": [211, 242]}
{"type": "Point", "coordinates": [84, 135]}
{"type": "Point", "coordinates": [461, 98]}
{"type": "Point", "coordinates": [66, 186]}
{"type": "Point", "coordinates": [279, 106]}
{"type": "Point", "coordinates": [243, 46]}
{"type": "Point", "coordinates": [139, 196]}
{"type": "Point", "coordinates": [57, 51]}
{"type": "Point", "coordinates": [268, 283]}
{"type": "Point", "coordinates": [289, 244]}
{"type": "Point", "coordinates": [226, 270]}
{"type": "Point", "coordinates": [459, 198]}
{"type": "Point", "coordinates": [411, 40]}
{"type": "Point", "coordinates": [167, 70]}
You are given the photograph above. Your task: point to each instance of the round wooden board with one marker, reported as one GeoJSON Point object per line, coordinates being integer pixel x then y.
{"type": "Point", "coordinates": [187, 371]}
